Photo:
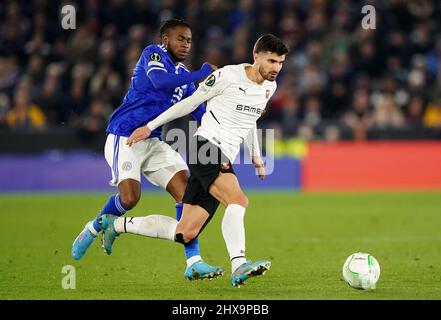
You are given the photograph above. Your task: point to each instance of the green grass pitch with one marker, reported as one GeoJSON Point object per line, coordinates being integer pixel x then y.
{"type": "Point", "coordinates": [306, 235]}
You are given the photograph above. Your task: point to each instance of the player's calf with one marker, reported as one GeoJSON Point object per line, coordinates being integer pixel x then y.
{"type": "Point", "coordinates": [196, 269]}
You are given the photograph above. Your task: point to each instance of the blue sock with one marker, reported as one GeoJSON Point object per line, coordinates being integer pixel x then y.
{"type": "Point", "coordinates": [191, 248]}
{"type": "Point", "coordinates": [113, 206]}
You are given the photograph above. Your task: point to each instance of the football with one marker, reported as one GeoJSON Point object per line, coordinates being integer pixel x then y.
{"type": "Point", "coordinates": [361, 271]}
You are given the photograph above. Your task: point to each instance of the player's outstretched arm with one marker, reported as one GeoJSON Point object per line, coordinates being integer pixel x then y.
{"type": "Point", "coordinates": [198, 113]}
{"type": "Point", "coordinates": [178, 110]}
{"type": "Point", "coordinates": [213, 86]}
{"type": "Point", "coordinates": [163, 80]}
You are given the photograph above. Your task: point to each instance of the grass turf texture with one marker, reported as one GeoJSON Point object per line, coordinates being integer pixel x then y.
{"type": "Point", "coordinates": [306, 236]}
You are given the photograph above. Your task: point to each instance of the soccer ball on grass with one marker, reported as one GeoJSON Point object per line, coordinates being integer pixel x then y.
{"type": "Point", "coordinates": [361, 271]}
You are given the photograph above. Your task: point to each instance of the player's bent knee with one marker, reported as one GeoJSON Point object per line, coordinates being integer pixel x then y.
{"type": "Point", "coordinates": [179, 195]}
{"type": "Point", "coordinates": [130, 200]}
{"type": "Point", "coordinates": [185, 237]}
{"type": "Point", "coordinates": [179, 237]}
{"type": "Point", "coordinates": [241, 200]}
{"type": "Point", "coordinates": [176, 187]}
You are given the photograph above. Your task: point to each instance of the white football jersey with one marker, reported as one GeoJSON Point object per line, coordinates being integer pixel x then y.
{"type": "Point", "coordinates": [234, 103]}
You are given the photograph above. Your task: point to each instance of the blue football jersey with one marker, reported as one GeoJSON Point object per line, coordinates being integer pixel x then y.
{"type": "Point", "coordinates": [143, 102]}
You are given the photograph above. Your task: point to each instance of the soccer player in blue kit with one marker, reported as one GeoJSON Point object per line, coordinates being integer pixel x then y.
{"type": "Point", "coordinates": [159, 80]}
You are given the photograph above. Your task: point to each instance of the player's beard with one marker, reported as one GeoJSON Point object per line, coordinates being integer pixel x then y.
{"type": "Point", "coordinates": [173, 56]}
{"type": "Point", "coordinates": [267, 75]}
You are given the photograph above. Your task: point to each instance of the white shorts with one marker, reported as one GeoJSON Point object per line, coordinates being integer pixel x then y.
{"type": "Point", "coordinates": [155, 159]}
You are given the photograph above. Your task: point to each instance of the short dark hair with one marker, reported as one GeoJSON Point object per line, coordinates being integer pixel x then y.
{"type": "Point", "coordinates": [271, 43]}
{"type": "Point", "coordinates": [172, 23]}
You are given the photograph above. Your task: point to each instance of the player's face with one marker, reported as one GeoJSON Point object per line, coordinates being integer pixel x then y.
{"type": "Point", "coordinates": [177, 40]}
{"type": "Point", "coordinates": [270, 64]}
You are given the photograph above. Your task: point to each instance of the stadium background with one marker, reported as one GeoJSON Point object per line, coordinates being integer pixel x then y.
{"type": "Point", "coordinates": [355, 110]}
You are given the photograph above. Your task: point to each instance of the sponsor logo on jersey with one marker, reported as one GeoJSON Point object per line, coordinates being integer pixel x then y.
{"type": "Point", "coordinates": [249, 109]}
{"type": "Point", "coordinates": [244, 90]}
{"type": "Point", "coordinates": [210, 80]}
{"type": "Point", "coordinates": [155, 57]}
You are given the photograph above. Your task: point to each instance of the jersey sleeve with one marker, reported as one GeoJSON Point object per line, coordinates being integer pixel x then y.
{"type": "Point", "coordinates": [252, 142]}
{"type": "Point", "coordinates": [154, 60]}
{"type": "Point", "coordinates": [214, 85]}
{"type": "Point", "coordinates": [200, 110]}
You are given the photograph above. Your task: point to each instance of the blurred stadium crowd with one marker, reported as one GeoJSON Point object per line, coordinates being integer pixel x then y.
{"type": "Point", "coordinates": [338, 77]}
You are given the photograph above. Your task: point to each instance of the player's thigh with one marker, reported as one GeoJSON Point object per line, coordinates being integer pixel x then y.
{"type": "Point", "coordinates": [162, 164]}
{"type": "Point", "coordinates": [124, 161]}
{"type": "Point", "coordinates": [199, 208]}
{"type": "Point", "coordinates": [226, 189]}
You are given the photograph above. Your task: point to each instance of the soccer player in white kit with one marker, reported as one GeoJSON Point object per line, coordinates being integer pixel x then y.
{"type": "Point", "coordinates": [236, 96]}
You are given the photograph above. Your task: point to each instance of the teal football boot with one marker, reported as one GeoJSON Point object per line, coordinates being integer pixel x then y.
{"type": "Point", "coordinates": [201, 270]}
{"type": "Point", "coordinates": [83, 241]}
{"type": "Point", "coordinates": [109, 232]}
{"type": "Point", "coordinates": [249, 269]}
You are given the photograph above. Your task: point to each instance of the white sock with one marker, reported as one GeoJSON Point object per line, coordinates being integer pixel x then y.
{"type": "Point", "coordinates": [153, 226]}
{"type": "Point", "coordinates": [233, 231]}
{"type": "Point", "coordinates": [193, 259]}
{"type": "Point", "coordinates": [92, 229]}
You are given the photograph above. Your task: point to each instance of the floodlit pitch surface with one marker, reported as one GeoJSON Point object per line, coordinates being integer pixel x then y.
{"type": "Point", "coordinates": [307, 236]}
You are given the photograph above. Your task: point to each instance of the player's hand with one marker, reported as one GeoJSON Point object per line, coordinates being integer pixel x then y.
{"type": "Point", "coordinates": [260, 167]}
{"type": "Point", "coordinates": [138, 135]}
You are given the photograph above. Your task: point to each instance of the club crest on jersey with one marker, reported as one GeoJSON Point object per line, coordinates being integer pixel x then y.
{"type": "Point", "coordinates": [267, 93]}
{"type": "Point", "coordinates": [210, 81]}
{"type": "Point", "coordinates": [155, 57]}
{"type": "Point", "coordinates": [127, 166]}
